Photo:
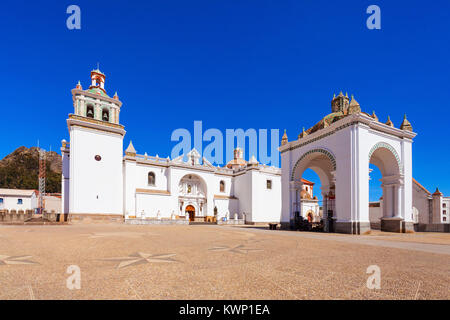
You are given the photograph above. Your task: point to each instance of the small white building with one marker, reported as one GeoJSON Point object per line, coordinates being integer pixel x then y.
{"type": "Point", "coordinates": [100, 182]}
{"type": "Point", "coordinates": [310, 204]}
{"type": "Point", "coordinates": [18, 199]}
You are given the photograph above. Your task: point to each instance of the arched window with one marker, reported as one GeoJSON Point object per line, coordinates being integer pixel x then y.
{"type": "Point", "coordinates": [222, 186]}
{"type": "Point", "coordinates": [151, 178]}
{"type": "Point", "coordinates": [444, 205]}
{"type": "Point", "coordinates": [90, 111]}
{"type": "Point", "coordinates": [269, 184]}
{"type": "Point", "coordinates": [215, 211]}
{"type": "Point", "coordinates": [105, 115]}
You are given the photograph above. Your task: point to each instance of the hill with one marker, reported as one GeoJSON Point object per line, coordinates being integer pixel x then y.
{"type": "Point", "coordinates": [20, 169]}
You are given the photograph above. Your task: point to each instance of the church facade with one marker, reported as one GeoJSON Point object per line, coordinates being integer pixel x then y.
{"type": "Point", "coordinates": [100, 182]}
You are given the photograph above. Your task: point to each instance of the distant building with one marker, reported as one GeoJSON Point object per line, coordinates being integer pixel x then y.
{"type": "Point", "coordinates": [18, 199]}
{"type": "Point", "coordinates": [52, 203]}
{"type": "Point", "coordinates": [429, 208]}
{"type": "Point", "coordinates": [310, 204]}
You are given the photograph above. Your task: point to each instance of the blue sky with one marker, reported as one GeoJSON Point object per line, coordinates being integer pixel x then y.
{"type": "Point", "coordinates": [232, 64]}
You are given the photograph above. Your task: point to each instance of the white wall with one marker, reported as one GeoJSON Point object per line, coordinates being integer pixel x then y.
{"type": "Point", "coordinates": [11, 202]}
{"type": "Point", "coordinates": [266, 203]}
{"type": "Point", "coordinates": [95, 186]}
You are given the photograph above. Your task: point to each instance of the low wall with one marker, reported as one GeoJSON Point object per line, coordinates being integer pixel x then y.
{"type": "Point", "coordinates": [95, 218]}
{"type": "Point", "coordinates": [432, 227]}
{"type": "Point", "coordinates": [14, 217]}
{"type": "Point", "coordinates": [231, 222]}
{"type": "Point", "coordinates": [158, 221]}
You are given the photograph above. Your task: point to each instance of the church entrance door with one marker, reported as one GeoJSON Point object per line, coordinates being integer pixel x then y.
{"type": "Point", "coordinates": [191, 211]}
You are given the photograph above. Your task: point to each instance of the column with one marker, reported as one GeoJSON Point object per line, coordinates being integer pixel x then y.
{"type": "Point", "coordinates": [293, 200]}
{"type": "Point", "coordinates": [398, 201]}
{"type": "Point", "coordinates": [325, 211]}
{"type": "Point", "coordinates": [388, 202]}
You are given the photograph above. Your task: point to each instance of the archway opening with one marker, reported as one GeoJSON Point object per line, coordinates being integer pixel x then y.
{"type": "Point", "coordinates": [314, 164]}
{"type": "Point", "coordinates": [375, 197]}
{"type": "Point", "coordinates": [190, 210]}
{"type": "Point", "coordinates": [386, 184]}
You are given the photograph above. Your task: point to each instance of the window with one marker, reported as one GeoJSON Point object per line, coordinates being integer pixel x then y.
{"type": "Point", "coordinates": [444, 205]}
{"type": "Point", "coordinates": [444, 212]}
{"type": "Point", "coordinates": [444, 219]}
{"type": "Point", "coordinates": [105, 115]}
{"type": "Point", "coordinates": [151, 178]}
{"type": "Point", "coordinates": [215, 211]}
{"type": "Point", "coordinates": [1, 200]}
{"type": "Point", "coordinates": [19, 201]}
{"type": "Point", "coordinates": [189, 188]}
{"type": "Point", "coordinates": [269, 184]}
{"type": "Point", "coordinates": [222, 186]}
{"type": "Point", "coordinates": [90, 111]}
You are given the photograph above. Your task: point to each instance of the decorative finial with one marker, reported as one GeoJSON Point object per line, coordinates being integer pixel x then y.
{"type": "Point", "coordinates": [284, 139]}
{"type": "Point", "coordinates": [374, 116]}
{"type": "Point", "coordinates": [437, 192]}
{"type": "Point", "coordinates": [389, 122]}
{"type": "Point", "coordinates": [354, 106]}
{"type": "Point", "coordinates": [130, 150]}
{"type": "Point", "coordinates": [406, 125]}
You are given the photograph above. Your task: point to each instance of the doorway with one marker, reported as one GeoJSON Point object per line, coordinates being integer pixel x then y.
{"type": "Point", "coordinates": [191, 211]}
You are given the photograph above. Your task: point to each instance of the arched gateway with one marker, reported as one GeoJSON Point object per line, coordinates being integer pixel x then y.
{"type": "Point", "coordinates": [339, 148]}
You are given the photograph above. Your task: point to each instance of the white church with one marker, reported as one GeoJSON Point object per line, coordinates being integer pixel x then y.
{"type": "Point", "coordinates": [102, 182]}
{"type": "Point", "coordinates": [99, 181]}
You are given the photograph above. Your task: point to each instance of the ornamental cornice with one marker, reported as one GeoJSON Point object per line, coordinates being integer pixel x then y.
{"type": "Point", "coordinates": [95, 96]}
{"type": "Point", "coordinates": [76, 120]}
{"type": "Point", "coordinates": [343, 123]}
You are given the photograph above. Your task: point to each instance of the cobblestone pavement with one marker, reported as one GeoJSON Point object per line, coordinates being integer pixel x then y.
{"type": "Point", "coordinates": [217, 262]}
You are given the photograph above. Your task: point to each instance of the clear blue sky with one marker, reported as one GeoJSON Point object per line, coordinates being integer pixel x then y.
{"type": "Point", "coordinates": [230, 63]}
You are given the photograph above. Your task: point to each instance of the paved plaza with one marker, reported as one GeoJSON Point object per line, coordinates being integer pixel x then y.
{"type": "Point", "coordinates": [120, 261]}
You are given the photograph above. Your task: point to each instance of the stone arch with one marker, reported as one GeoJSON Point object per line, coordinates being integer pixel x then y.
{"type": "Point", "coordinates": [323, 151]}
{"type": "Point", "coordinates": [387, 160]}
{"type": "Point", "coordinates": [387, 146]}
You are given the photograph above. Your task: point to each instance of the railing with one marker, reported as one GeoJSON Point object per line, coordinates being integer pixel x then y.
{"type": "Point", "coordinates": [153, 158]}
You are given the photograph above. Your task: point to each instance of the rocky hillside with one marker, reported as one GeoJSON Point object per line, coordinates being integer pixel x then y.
{"type": "Point", "coordinates": [19, 170]}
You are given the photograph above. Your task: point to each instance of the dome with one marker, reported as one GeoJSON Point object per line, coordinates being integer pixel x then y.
{"type": "Point", "coordinates": [98, 91]}
{"type": "Point", "coordinates": [239, 162]}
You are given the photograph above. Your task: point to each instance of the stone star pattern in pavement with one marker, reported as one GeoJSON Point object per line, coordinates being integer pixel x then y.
{"type": "Point", "coordinates": [142, 258]}
{"type": "Point", "coordinates": [9, 260]}
{"type": "Point", "coordinates": [237, 249]}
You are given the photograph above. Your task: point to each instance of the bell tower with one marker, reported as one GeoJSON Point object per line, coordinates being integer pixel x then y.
{"type": "Point", "coordinates": [92, 171]}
